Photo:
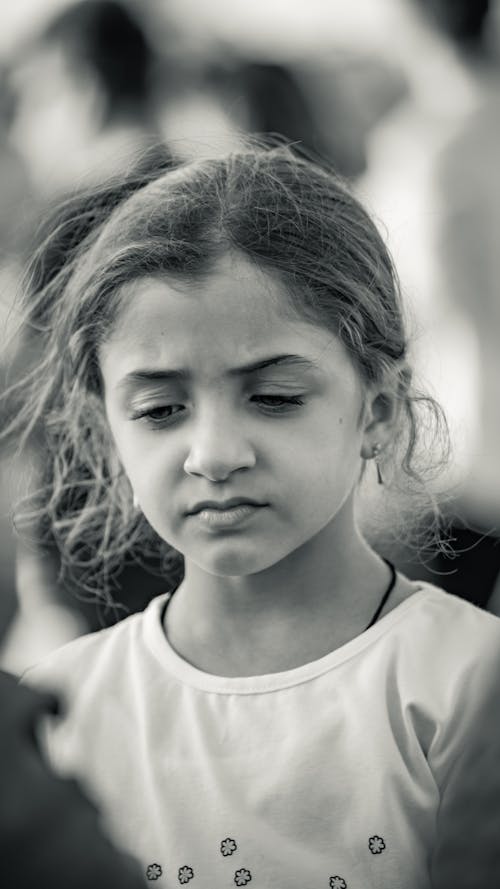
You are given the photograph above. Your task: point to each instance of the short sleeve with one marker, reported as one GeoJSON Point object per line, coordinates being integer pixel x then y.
{"type": "Point", "coordinates": [465, 757]}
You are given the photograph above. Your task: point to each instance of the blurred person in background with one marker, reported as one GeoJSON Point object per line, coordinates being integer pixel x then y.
{"type": "Point", "coordinates": [468, 190]}
{"type": "Point", "coordinates": [50, 833]}
{"type": "Point", "coordinates": [266, 97]}
{"type": "Point", "coordinates": [431, 178]}
{"type": "Point", "coordinates": [86, 96]}
{"type": "Point", "coordinates": [84, 108]}
{"type": "Point", "coordinates": [325, 106]}
{"type": "Point", "coordinates": [470, 236]}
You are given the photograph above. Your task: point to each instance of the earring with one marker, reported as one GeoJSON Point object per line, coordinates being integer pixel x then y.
{"type": "Point", "coordinates": [136, 502]}
{"type": "Point", "coordinates": [375, 452]}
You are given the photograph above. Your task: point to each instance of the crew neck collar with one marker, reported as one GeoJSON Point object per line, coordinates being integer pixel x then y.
{"type": "Point", "coordinates": [157, 641]}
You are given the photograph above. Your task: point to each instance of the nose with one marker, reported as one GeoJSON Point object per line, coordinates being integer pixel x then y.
{"type": "Point", "coordinates": [219, 447]}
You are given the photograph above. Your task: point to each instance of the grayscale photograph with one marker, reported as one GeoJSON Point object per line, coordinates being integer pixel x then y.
{"type": "Point", "coordinates": [250, 444]}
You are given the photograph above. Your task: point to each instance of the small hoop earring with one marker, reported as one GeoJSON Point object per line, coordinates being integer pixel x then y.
{"type": "Point", "coordinates": [375, 452]}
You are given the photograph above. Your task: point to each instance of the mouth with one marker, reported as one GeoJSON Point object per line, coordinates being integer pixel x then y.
{"type": "Point", "coordinates": [226, 514]}
{"type": "Point", "coordinates": [224, 505]}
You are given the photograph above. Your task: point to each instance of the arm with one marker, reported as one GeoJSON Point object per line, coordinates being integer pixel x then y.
{"type": "Point", "coordinates": [467, 852]}
{"type": "Point", "coordinates": [49, 831]}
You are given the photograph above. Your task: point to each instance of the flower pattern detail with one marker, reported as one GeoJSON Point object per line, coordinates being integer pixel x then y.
{"type": "Point", "coordinates": [376, 845]}
{"type": "Point", "coordinates": [153, 871]}
{"type": "Point", "coordinates": [228, 846]}
{"type": "Point", "coordinates": [185, 874]}
{"type": "Point", "coordinates": [242, 876]}
{"type": "Point", "coordinates": [337, 883]}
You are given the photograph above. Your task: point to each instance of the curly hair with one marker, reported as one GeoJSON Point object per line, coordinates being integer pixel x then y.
{"type": "Point", "coordinates": [286, 213]}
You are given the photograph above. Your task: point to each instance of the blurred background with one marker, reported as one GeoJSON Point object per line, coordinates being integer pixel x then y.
{"type": "Point", "coordinates": [403, 96]}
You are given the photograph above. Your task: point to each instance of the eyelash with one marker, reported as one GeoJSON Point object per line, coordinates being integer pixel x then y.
{"type": "Point", "coordinates": [284, 399]}
{"type": "Point", "coordinates": [286, 402]}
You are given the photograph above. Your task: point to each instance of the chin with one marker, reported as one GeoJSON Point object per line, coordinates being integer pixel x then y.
{"type": "Point", "coordinates": [231, 566]}
{"type": "Point", "coordinates": [235, 564]}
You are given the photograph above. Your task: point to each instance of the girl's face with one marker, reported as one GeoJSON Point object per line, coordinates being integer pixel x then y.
{"type": "Point", "coordinates": [214, 392]}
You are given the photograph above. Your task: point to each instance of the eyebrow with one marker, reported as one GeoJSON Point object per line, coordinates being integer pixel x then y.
{"type": "Point", "coordinates": [179, 374]}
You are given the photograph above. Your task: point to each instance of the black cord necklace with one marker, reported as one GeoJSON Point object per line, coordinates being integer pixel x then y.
{"type": "Point", "coordinates": [385, 596]}
{"type": "Point", "coordinates": [375, 617]}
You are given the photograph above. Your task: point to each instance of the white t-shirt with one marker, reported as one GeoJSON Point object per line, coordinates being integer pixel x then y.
{"type": "Point", "coordinates": [326, 776]}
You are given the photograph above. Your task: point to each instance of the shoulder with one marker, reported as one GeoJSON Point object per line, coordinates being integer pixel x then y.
{"type": "Point", "coordinates": [445, 646]}
{"type": "Point", "coordinates": [96, 660]}
{"type": "Point", "coordinates": [458, 615]}
{"type": "Point", "coordinates": [438, 614]}
{"type": "Point", "coordinates": [443, 656]}
{"type": "Point", "coordinates": [433, 634]}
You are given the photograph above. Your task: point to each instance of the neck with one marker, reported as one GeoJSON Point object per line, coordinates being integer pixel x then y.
{"type": "Point", "coordinates": [318, 597]}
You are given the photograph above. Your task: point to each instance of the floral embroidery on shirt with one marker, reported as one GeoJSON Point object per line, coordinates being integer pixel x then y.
{"type": "Point", "coordinates": [376, 845]}
{"type": "Point", "coordinates": [185, 874]}
{"type": "Point", "coordinates": [228, 846]}
{"type": "Point", "coordinates": [242, 876]}
{"type": "Point", "coordinates": [153, 871]}
{"type": "Point", "coordinates": [337, 883]}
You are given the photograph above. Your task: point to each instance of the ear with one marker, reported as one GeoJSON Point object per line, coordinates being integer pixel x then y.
{"type": "Point", "coordinates": [379, 419]}
{"type": "Point", "coordinates": [381, 411]}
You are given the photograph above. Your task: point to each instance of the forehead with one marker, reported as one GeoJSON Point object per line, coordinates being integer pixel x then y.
{"type": "Point", "coordinates": [236, 314]}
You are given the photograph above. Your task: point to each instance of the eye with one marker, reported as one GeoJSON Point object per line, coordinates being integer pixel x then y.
{"type": "Point", "coordinates": [277, 403]}
{"type": "Point", "coordinates": [159, 415]}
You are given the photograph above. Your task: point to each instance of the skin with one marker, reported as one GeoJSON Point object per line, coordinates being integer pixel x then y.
{"type": "Point", "coordinates": [296, 579]}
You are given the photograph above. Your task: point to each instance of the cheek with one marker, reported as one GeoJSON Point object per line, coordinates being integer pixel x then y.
{"type": "Point", "coordinates": [324, 466]}
{"type": "Point", "coordinates": [144, 457]}
{"type": "Point", "coordinates": [150, 467]}
{"type": "Point", "coordinates": [156, 474]}
{"type": "Point", "coordinates": [125, 450]}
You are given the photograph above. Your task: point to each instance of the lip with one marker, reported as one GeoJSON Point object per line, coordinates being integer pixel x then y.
{"type": "Point", "coordinates": [223, 505]}
{"type": "Point", "coordinates": [219, 519]}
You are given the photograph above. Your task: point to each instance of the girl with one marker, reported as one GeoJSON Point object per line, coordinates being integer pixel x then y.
{"type": "Point", "coordinates": [224, 357]}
